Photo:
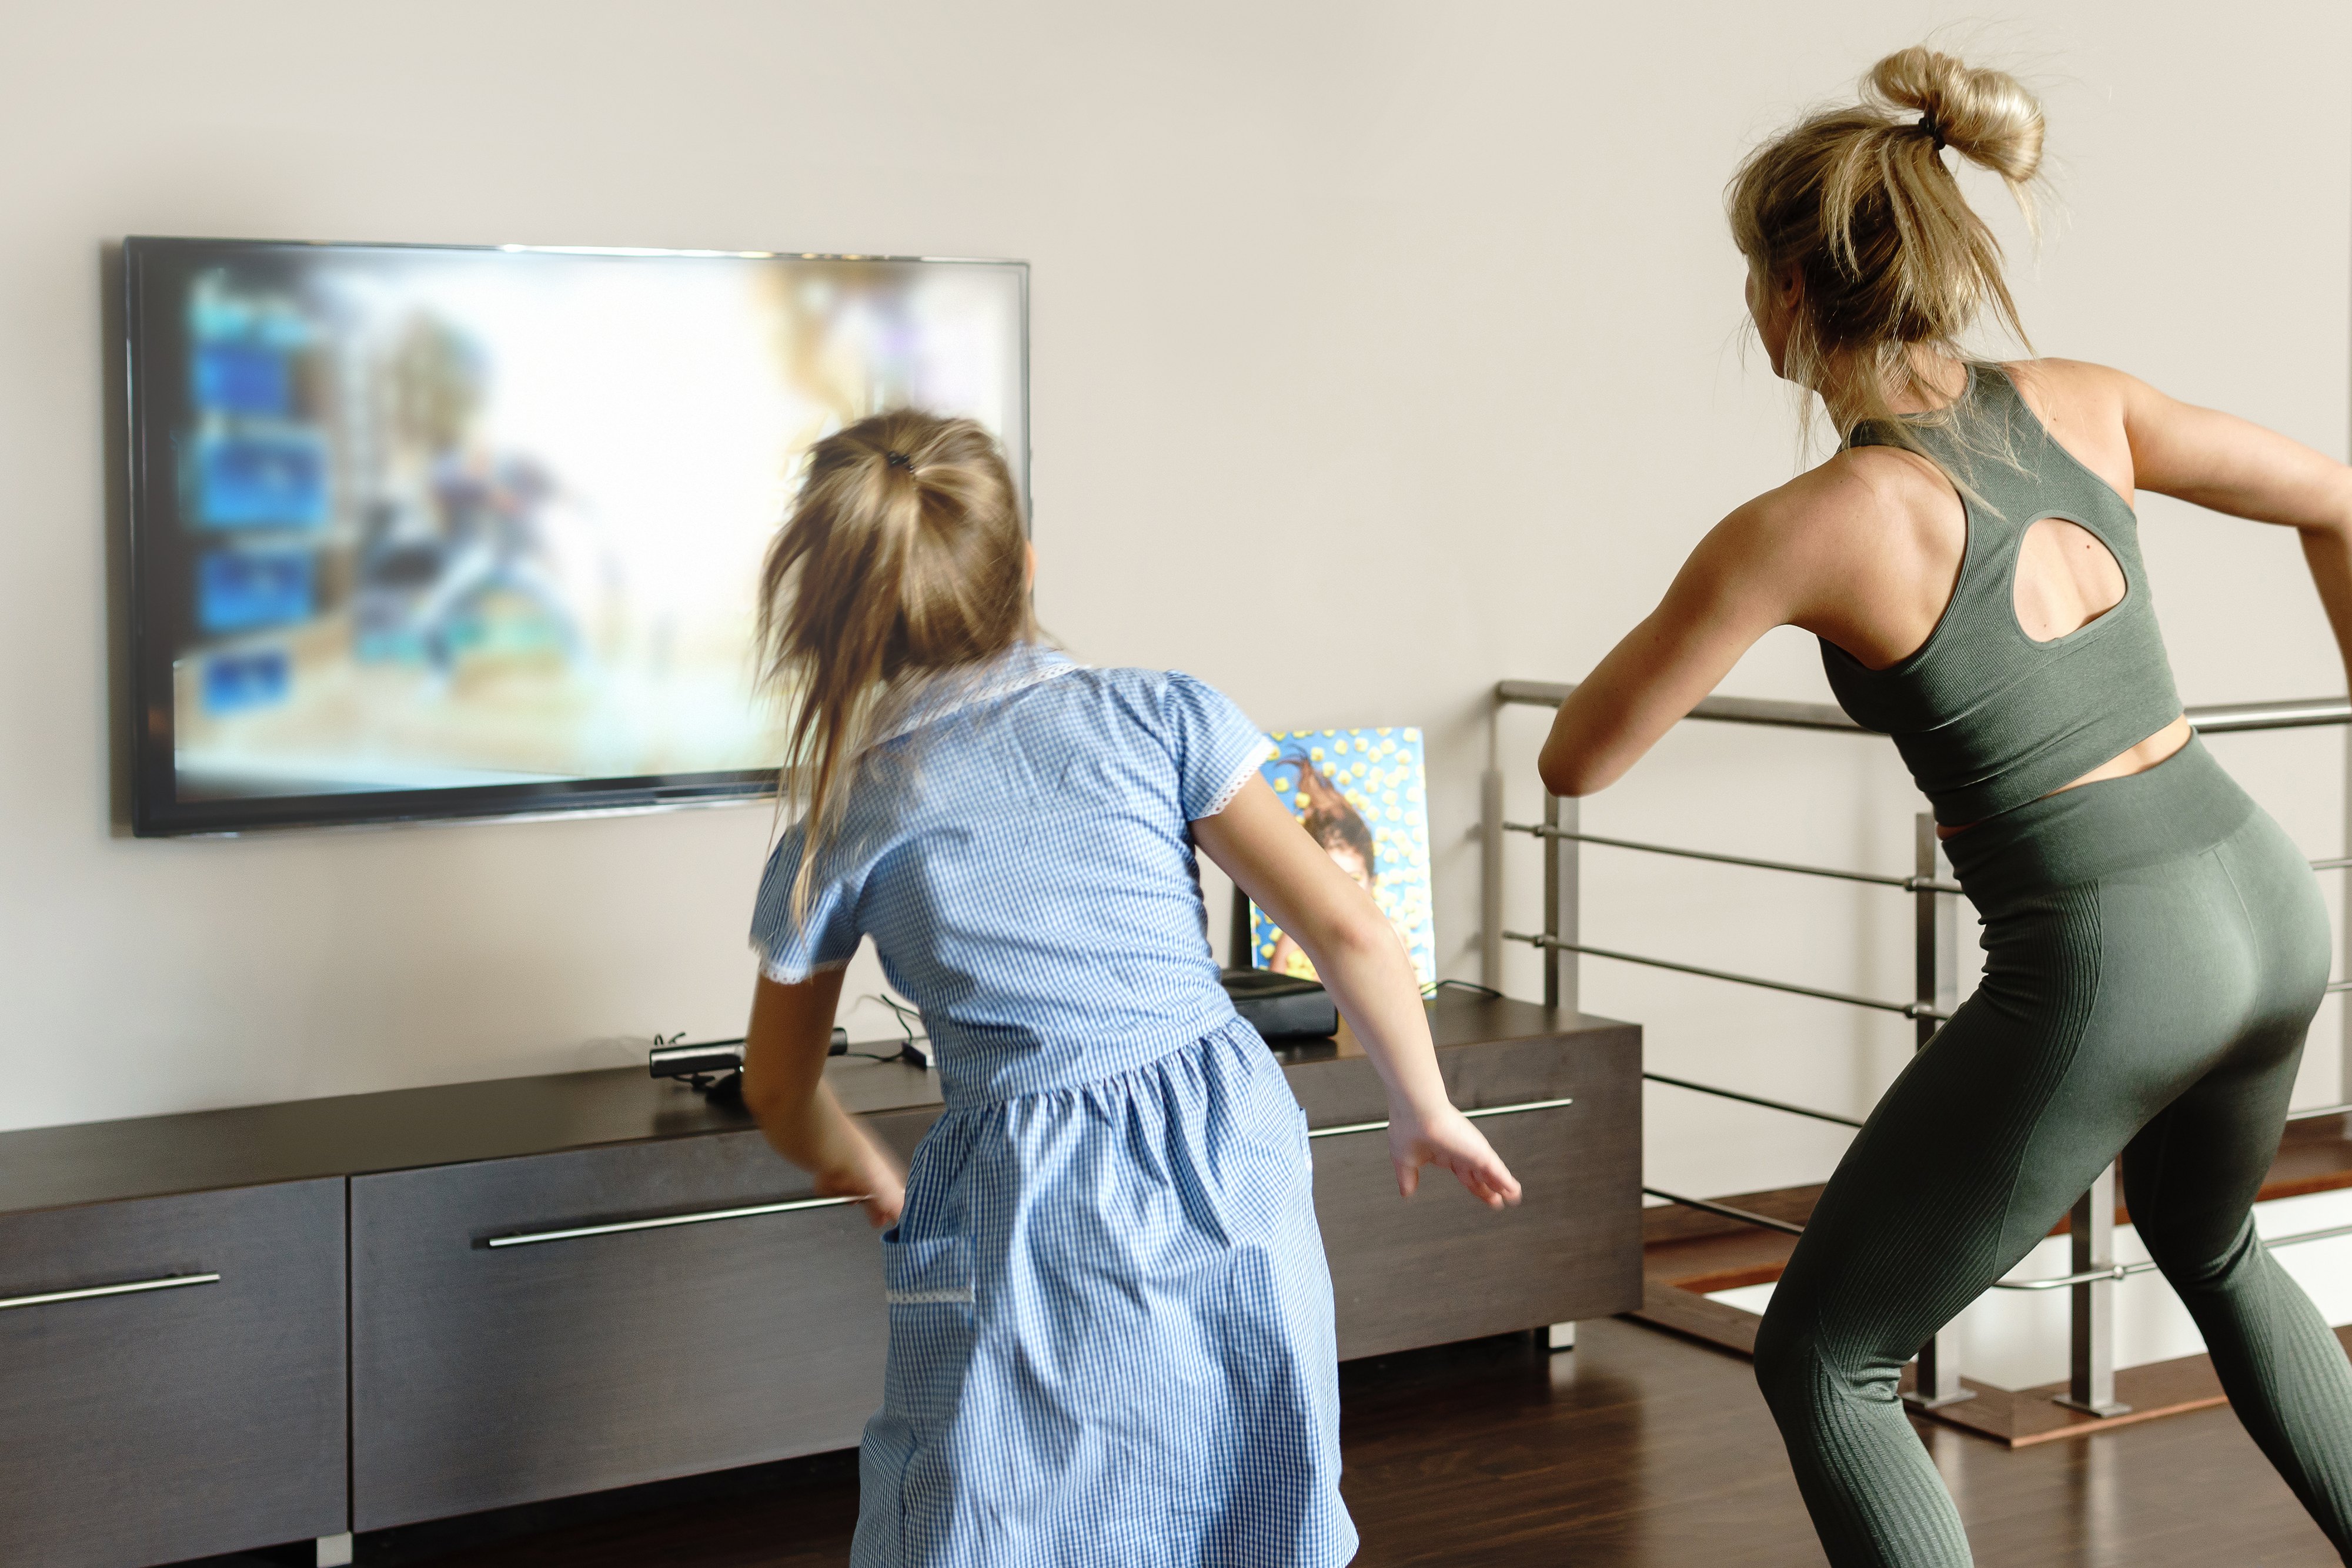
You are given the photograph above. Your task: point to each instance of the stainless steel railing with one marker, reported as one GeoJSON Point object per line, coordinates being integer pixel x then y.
{"type": "Point", "coordinates": [2094, 1272]}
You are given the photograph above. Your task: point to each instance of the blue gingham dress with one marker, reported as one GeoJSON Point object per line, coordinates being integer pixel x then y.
{"type": "Point", "coordinates": [1110, 1318]}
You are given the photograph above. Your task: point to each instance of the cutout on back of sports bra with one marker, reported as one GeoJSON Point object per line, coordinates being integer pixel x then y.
{"type": "Point", "coordinates": [2065, 580]}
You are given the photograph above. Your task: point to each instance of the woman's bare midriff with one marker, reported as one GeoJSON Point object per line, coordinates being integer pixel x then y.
{"type": "Point", "coordinates": [2156, 749]}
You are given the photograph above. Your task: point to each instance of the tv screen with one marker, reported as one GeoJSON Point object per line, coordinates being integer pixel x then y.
{"type": "Point", "coordinates": [423, 532]}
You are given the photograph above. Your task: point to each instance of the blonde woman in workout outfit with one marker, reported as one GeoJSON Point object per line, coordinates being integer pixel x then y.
{"type": "Point", "coordinates": [2155, 947]}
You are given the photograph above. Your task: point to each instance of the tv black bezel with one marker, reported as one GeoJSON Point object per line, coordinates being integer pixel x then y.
{"type": "Point", "coordinates": [156, 809]}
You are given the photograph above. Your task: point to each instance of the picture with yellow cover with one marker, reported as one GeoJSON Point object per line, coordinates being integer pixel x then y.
{"type": "Point", "coordinates": [1362, 795]}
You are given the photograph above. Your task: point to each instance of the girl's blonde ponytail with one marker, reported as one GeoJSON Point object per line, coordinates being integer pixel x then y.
{"type": "Point", "coordinates": [904, 554]}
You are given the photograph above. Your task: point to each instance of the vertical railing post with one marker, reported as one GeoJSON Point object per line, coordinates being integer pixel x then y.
{"type": "Point", "coordinates": [1563, 866]}
{"type": "Point", "coordinates": [2090, 1374]}
{"type": "Point", "coordinates": [1936, 930]}
{"type": "Point", "coordinates": [1935, 963]}
{"type": "Point", "coordinates": [1490, 880]}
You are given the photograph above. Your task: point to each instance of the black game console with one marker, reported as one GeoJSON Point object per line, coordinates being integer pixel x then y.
{"type": "Point", "coordinates": [1282, 1007]}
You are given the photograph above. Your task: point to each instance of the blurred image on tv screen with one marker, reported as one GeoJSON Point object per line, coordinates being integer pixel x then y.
{"type": "Point", "coordinates": [451, 518]}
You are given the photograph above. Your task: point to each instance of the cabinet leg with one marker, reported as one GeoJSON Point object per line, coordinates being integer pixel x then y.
{"type": "Point", "coordinates": [335, 1551]}
{"type": "Point", "coordinates": [1562, 1336]}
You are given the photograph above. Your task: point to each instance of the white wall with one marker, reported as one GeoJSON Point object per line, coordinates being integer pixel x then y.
{"type": "Point", "coordinates": [1381, 350]}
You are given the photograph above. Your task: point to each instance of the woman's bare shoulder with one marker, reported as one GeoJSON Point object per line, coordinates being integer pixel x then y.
{"type": "Point", "coordinates": [1863, 548]}
{"type": "Point", "coordinates": [2087, 408]}
{"type": "Point", "coordinates": [2076, 382]}
{"type": "Point", "coordinates": [1858, 495]}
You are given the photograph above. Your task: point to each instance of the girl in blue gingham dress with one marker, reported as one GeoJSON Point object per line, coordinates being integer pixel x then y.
{"type": "Point", "coordinates": [1110, 1320]}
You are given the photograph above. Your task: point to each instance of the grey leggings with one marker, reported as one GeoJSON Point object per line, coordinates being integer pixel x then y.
{"type": "Point", "coordinates": [2155, 948]}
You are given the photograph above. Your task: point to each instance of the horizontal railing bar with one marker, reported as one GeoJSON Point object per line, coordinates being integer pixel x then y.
{"type": "Point", "coordinates": [1725, 710]}
{"type": "Point", "coordinates": [2299, 1237]}
{"type": "Point", "coordinates": [93, 1292]}
{"type": "Point", "coordinates": [1344, 1128]}
{"type": "Point", "coordinates": [1751, 1099]}
{"type": "Point", "coordinates": [1908, 1009]}
{"type": "Point", "coordinates": [1907, 884]}
{"type": "Point", "coordinates": [2214, 718]}
{"type": "Point", "coordinates": [2086, 1277]}
{"type": "Point", "coordinates": [2335, 986]}
{"type": "Point", "coordinates": [1727, 1211]}
{"type": "Point", "coordinates": [2220, 718]}
{"type": "Point", "coordinates": [2126, 1270]}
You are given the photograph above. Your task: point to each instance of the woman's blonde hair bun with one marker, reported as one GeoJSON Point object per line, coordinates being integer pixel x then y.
{"type": "Point", "coordinates": [1859, 204]}
{"type": "Point", "coordinates": [1985, 116]}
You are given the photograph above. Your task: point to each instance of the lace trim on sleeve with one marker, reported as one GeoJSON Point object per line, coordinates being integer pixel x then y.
{"type": "Point", "coordinates": [1259, 756]}
{"type": "Point", "coordinates": [781, 973]}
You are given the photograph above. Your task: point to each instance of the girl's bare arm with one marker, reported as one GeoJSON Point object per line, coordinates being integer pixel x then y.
{"type": "Point", "coordinates": [1356, 953]}
{"type": "Point", "coordinates": [784, 1052]}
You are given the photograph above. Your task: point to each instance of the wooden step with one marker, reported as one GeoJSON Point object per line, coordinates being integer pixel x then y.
{"type": "Point", "coordinates": [1687, 1254]}
{"type": "Point", "coordinates": [1704, 1252]}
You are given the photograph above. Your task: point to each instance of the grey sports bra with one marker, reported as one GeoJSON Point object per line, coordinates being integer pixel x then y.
{"type": "Point", "coordinates": [1986, 717]}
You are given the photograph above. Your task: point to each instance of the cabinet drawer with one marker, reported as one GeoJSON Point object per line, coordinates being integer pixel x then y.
{"type": "Point", "coordinates": [536, 1327]}
{"type": "Point", "coordinates": [166, 1420]}
{"type": "Point", "coordinates": [1442, 1267]}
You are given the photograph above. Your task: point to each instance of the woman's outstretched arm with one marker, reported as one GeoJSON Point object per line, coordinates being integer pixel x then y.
{"type": "Point", "coordinates": [2228, 465]}
{"type": "Point", "coordinates": [1356, 953]}
{"type": "Point", "coordinates": [1862, 550]}
{"type": "Point", "coordinates": [1662, 667]}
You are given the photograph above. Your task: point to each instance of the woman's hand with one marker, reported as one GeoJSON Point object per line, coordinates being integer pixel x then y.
{"type": "Point", "coordinates": [1446, 1138]}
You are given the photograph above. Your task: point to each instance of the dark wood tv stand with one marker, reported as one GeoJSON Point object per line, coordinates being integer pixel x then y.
{"type": "Point", "coordinates": [238, 1328]}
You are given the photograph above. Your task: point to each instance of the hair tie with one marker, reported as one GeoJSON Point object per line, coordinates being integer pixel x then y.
{"type": "Point", "coordinates": [1934, 132]}
{"type": "Point", "coordinates": [901, 460]}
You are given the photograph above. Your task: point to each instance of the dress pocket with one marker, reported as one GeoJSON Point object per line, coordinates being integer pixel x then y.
{"type": "Point", "coordinates": [928, 1286]}
{"type": "Point", "coordinates": [936, 1273]}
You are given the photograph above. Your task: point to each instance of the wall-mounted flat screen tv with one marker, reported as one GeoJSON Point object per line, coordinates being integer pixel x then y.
{"type": "Point", "coordinates": [430, 532]}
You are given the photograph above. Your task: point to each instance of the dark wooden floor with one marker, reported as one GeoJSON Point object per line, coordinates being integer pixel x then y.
{"type": "Point", "coordinates": [1636, 1450]}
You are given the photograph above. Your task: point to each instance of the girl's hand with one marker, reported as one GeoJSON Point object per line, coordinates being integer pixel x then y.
{"type": "Point", "coordinates": [1448, 1140]}
{"type": "Point", "coordinates": [864, 1169]}
{"type": "Point", "coordinates": [784, 1052]}
{"type": "Point", "coordinates": [1356, 951]}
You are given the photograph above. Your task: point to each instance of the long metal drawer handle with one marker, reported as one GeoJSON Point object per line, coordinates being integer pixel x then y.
{"type": "Point", "coordinates": [1472, 1115]}
{"type": "Point", "coordinates": [91, 1292]}
{"type": "Point", "coordinates": [531, 1237]}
